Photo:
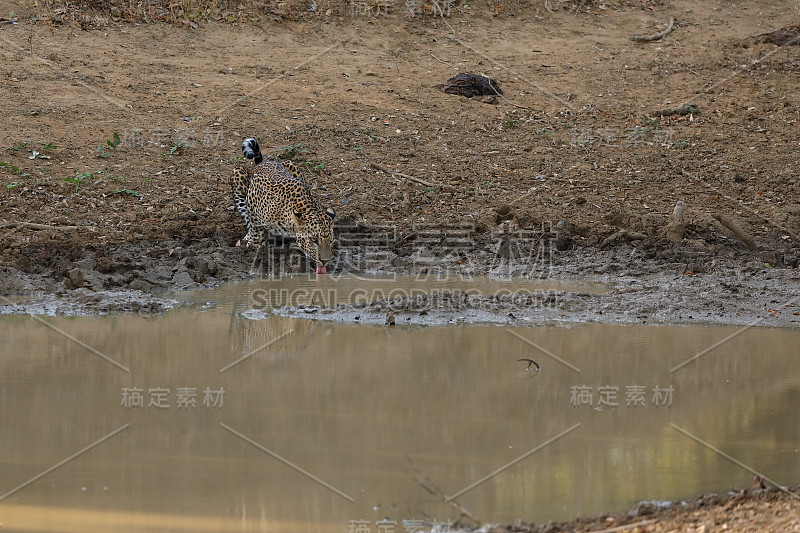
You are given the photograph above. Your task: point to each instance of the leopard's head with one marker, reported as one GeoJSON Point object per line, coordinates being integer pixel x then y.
{"type": "Point", "coordinates": [315, 234]}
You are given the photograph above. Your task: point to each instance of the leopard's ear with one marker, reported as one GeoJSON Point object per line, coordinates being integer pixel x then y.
{"type": "Point", "coordinates": [330, 212]}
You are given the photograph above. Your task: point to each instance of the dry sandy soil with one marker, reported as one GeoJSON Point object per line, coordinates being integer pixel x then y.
{"type": "Point", "coordinates": [574, 160]}
{"type": "Point", "coordinates": [575, 153]}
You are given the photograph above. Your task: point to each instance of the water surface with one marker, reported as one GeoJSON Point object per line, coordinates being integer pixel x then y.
{"type": "Point", "coordinates": [320, 424]}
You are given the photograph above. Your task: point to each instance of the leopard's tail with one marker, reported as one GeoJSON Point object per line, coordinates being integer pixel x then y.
{"type": "Point", "coordinates": [251, 150]}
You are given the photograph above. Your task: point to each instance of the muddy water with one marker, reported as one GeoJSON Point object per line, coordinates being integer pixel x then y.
{"type": "Point", "coordinates": [289, 425]}
{"type": "Point", "coordinates": [340, 289]}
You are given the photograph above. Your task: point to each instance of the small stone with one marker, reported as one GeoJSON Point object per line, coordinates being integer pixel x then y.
{"type": "Point", "coordinates": [76, 278]}
{"type": "Point", "coordinates": [139, 285]}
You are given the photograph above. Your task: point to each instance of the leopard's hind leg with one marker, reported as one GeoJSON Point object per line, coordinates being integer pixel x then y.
{"type": "Point", "coordinates": [256, 232]}
{"type": "Point", "coordinates": [240, 180]}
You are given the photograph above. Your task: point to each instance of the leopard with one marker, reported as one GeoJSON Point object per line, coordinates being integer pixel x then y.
{"type": "Point", "coordinates": [272, 197]}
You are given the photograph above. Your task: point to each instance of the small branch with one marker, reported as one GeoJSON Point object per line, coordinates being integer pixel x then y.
{"type": "Point", "coordinates": [655, 36]}
{"type": "Point", "coordinates": [512, 103]}
{"type": "Point", "coordinates": [440, 60]}
{"type": "Point", "coordinates": [628, 526]}
{"type": "Point", "coordinates": [442, 14]}
{"type": "Point", "coordinates": [378, 166]}
{"type": "Point", "coordinates": [743, 236]}
{"type": "Point", "coordinates": [497, 94]}
{"type": "Point", "coordinates": [31, 225]}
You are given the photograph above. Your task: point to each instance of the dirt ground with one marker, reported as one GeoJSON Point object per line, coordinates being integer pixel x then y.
{"type": "Point", "coordinates": [117, 139]}
{"type": "Point", "coordinates": [742, 511]}
{"type": "Point", "coordinates": [574, 152]}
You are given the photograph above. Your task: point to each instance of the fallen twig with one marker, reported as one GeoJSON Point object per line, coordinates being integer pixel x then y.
{"type": "Point", "coordinates": [501, 95]}
{"type": "Point", "coordinates": [378, 166]}
{"type": "Point", "coordinates": [32, 225]}
{"type": "Point", "coordinates": [442, 15]}
{"type": "Point", "coordinates": [427, 483]}
{"type": "Point", "coordinates": [509, 102]}
{"type": "Point", "coordinates": [743, 236]}
{"type": "Point", "coordinates": [655, 36]}
{"type": "Point", "coordinates": [628, 526]}
{"type": "Point", "coordinates": [440, 60]}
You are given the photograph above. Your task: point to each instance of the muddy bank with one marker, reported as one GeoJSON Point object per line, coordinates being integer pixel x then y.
{"type": "Point", "coordinates": [640, 291]}
{"type": "Point", "coordinates": [128, 278]}
{"type": "Point", "coordinates": [708, 299]}
{"type": "Point", "coordinates": [673, 285]}
{"type": "Point", "coordinates": [743, 511]}
{"type": "Point", "coordinates": [83, 302]}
